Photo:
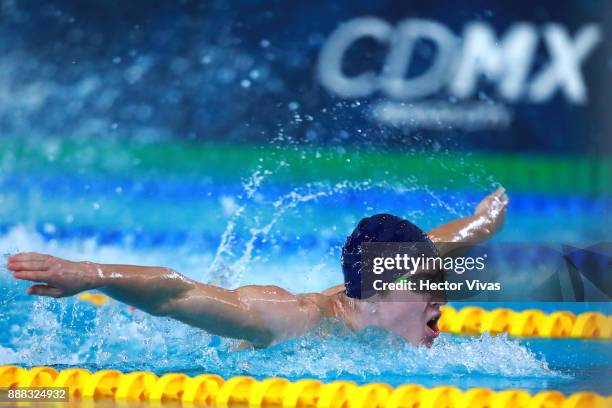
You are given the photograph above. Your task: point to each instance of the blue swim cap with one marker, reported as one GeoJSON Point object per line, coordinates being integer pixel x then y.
{"type": "Point", "coordinates": [378, 228]}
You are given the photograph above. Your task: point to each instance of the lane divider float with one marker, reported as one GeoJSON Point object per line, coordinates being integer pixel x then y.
{"type": "Point", "coordinates": [243, 391]}
{"type": "Point", "coordinates": [526, 323]}
{"type": "Point", "coordinates": [97, 299]}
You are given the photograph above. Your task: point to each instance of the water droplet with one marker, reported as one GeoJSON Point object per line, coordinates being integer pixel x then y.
{"type": "Point", "coordinates": [254, 74]}
{"type": "Point", "coordinates": [49, 228]}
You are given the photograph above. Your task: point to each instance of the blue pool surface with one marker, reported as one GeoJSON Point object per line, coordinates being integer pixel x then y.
{"type": "Point", "coordinates": [65, 333]}
{"type": "Point", "coordinates": [286, 236]}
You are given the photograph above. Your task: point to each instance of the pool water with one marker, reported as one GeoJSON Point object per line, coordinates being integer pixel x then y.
{"type": "Point", "coordinates": [260, 230]}
{"type": "Point", "coordinates": [68, 333]}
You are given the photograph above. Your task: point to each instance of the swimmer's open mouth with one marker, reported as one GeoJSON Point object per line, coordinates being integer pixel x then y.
{"type": "Point", "coordinates": [433, 324]}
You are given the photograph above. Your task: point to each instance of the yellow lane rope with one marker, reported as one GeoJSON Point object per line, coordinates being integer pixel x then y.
{"type": "Point", "coordinates": [527, 323]}
{"type": "Point", "coordinates": [210, 389]}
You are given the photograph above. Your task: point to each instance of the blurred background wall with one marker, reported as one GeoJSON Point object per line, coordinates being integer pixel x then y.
{"type": "Point", "coordinates": [156, 121]}
{"type": "Point", "coordinates": [216, 70]}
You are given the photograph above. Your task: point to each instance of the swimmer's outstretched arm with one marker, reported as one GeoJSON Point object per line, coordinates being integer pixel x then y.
{"type": "Point", "coordinates": [260, 314]}
{"type": "Point", "coordinates": [487, 219]}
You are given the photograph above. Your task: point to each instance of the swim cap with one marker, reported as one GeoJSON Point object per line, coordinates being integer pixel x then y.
{"type": "Point", "coordinates": [378, 228]}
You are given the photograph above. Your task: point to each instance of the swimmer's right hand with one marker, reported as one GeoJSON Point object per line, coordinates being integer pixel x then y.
{"type": "Point", "coordinates": [59, 277]}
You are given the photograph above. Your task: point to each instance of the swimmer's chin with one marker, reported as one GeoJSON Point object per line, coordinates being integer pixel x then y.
{"type": "Point", "coordinates": [428, 342]}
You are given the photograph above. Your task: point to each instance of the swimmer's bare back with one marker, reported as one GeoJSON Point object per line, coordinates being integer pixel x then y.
{"type": "Point", "coordinates": [262, 315]}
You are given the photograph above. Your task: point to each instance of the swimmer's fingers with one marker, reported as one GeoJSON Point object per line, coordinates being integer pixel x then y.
{"type": "Point", "coordinates": [493, 205]}
{"type": "Point", "coordinates": [28, 256]}
{"type": "Point", "coordinates": [34, 276]}
{"type": "Point", "coordinates": [28, 265]}
{"type": "Point", "coordinates": [500, 194]}
{"type": "Point", "coordinates": [45, 290]}
{"type": "Point", "coordinates": [500, 191]}
{"type": "Point", "coordinates": [29, 261]}
{"type": "Point", "coordinates": [505, 199]}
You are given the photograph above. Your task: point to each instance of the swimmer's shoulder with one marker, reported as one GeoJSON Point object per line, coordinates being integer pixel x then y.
{"type": "Point", "coordinates": [322, 302]}
{"type": "Point", "coordinates": [334, 290]}
{"type": "Point", "coordinates": [314, 304]}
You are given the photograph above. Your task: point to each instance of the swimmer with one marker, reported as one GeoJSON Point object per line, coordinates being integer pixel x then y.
{"type": "Point", "coordinates": [266, 315]}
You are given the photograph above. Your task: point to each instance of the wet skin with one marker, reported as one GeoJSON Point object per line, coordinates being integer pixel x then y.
{"type": "Point", "coordinates": [262, 315]}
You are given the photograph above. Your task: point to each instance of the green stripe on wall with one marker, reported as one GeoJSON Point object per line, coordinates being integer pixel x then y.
{"type": "Point", "coordinates": [232, 162]}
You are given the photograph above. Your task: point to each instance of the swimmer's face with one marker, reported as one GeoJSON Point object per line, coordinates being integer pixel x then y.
{"type": "Point", "coordinates": [412, 316]}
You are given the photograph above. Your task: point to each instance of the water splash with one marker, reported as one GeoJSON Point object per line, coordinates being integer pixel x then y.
{"type": "Point", "coordinates": [373, 352]}
{"type": "Point", "coordinates": [114, 338]}
{"type": "Point", "coordinates": [261, 230]}
{"type": "Point", "coordinates": [68, 332]}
